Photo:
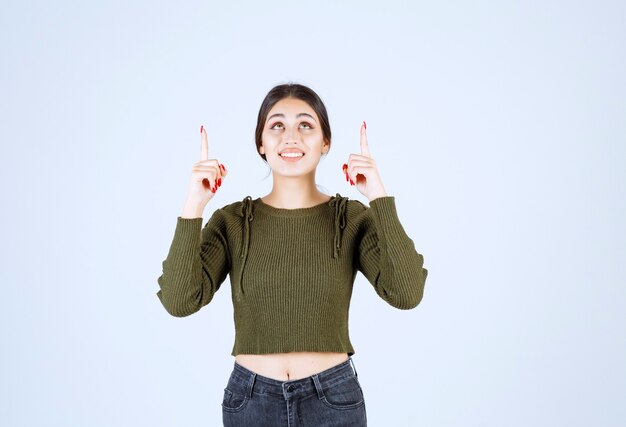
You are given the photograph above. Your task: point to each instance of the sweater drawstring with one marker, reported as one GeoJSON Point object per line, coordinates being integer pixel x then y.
{"type": "Point", "coordinates": [339, 203]}
{"type": "Point", "coordinates": [246, 213]}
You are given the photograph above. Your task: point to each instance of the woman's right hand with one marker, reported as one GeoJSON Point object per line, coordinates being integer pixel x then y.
{"type": "Point", "coordinates": [206, 175]}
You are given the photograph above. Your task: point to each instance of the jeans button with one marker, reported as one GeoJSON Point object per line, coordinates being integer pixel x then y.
{"type": "Point", "coordinates": [289, 387]}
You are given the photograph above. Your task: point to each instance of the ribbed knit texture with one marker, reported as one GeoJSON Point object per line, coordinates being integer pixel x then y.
{"type": "Point", "coordinates": [292, 270]}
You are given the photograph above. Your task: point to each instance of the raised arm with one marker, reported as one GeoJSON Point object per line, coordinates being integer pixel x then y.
{"type": "Point", "coordinates": [197, 262]}
{"type": "Point", "coordinates": [386, 255]}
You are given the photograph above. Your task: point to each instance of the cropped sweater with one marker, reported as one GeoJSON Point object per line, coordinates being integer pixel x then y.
{"type": "Point", "coordinates": [291, 270]}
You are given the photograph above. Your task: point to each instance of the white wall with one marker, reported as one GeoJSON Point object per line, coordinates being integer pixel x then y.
{"type": "Point", "coordinates": [498, 126]}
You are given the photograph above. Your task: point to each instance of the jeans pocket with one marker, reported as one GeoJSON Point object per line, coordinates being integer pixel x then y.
{"type": "Point", "coordinates": [347, 394]}
{"type": "Point", "coordinates": [234, 400]}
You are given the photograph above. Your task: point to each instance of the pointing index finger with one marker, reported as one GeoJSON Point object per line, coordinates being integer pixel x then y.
{"type": "Point", "coordinates": [364, 147]}
{"type": "Point", "coordinates": [204, 144]}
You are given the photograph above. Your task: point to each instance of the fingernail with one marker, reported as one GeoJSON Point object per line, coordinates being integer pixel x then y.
{"type": "Point", "coordinates": [347, 177]}
{"type": "Point", "coordinates": [224, 167]}
{"type": "Point", "coordinates": [221, 166]}
{"type": "Point", "coordinates": [212, 190]}
{"type": "Point", "coordinates": [364, 124]}
{"type": "Point", "coordinates": [344, 167]}
{"type": "Point", "coordinates": [201, 128]}
{"type": "Point", "coordinates": [351, 182]}
{"type": "Point", "coordinates": [219, 182]}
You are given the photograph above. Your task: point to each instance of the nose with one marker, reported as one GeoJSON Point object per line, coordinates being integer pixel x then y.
{"type": "Point", "coordinates": [291, 137]}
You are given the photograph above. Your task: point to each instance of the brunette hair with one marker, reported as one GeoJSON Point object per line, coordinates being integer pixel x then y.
{"type": "Point", "coordinates": [291, 90]}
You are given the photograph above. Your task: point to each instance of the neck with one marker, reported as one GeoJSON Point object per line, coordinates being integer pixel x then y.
{"type": "Point", "coordinates": [294, 192]}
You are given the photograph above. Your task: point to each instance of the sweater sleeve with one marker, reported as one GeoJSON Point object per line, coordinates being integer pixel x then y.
{"type": "Point", "coordinates": [387, 256]}
{"type": "Point", "coordinates": [196, 265]}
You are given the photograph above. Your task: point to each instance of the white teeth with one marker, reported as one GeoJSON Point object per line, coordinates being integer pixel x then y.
{"type": "Point", "coordinates": [292, 154]}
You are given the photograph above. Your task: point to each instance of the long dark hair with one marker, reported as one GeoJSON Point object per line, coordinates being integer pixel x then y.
{"type": "Point", "coordinates": [291, 90]}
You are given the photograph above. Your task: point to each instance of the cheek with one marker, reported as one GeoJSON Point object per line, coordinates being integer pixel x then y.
{"type": "Point", "coordinates": [315, 139]}
{"type": "Point", "coordinates": [269, 140]}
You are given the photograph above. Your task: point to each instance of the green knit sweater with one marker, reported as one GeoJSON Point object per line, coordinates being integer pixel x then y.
{"type": "Point", "coordinates": [291, 270]}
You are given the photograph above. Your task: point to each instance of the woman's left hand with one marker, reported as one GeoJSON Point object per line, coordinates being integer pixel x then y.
{"type": "Point", "coordinates": [361, 171]}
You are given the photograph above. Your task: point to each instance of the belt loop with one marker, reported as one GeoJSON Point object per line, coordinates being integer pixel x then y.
{"type": "Point", "coordinates": [354, 367]}
{"type": "Point", "coordinates": [318, 386]}
{"type": "Point", "coordinates": [251, 384]}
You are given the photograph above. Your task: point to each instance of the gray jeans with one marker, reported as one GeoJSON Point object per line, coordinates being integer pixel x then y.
{"type": "Point", "coordinates": [329, 398]}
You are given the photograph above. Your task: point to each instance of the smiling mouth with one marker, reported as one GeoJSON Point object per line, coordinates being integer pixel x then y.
{"type": "Point", "coordinates": [292, 155]}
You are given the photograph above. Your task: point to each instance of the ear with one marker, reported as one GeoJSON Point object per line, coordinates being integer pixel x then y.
{"type": "Point", "coordinates": [261, 149]}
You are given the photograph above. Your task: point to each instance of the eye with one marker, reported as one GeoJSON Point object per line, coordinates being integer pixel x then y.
{"type": "Point", "coordinates": [306, 124]}
{"type": "Point", "coordinates": [275, 124]}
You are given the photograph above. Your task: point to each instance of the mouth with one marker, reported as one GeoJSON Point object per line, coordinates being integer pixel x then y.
{"type": "Point", "coordinates": [291, 156]}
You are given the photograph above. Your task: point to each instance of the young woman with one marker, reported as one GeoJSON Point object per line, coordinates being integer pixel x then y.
{"type": "Point", "coordinates": [292, 256]}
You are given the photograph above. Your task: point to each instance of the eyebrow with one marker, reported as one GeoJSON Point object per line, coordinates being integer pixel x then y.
{"type": "Point", "coordinates": [282, 115]}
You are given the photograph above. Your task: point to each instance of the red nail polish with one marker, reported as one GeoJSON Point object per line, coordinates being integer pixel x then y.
{"type": "Point", "coordinates": [365, 124]}
{"type": "Point", "coordinates": [201, 128]}
{"type": "Point", "coordinates": [219, 182]}
{"type": "Point", "coordinates": [344, 167]}
{"type": "Point", "coordinates": [212, 190]}
{"type": "Point", "coordinates": [351, 182]}
{"type": "Point", "coordinates": [221, 166]}
{"type": "Point", "coordinates": [347, 177]}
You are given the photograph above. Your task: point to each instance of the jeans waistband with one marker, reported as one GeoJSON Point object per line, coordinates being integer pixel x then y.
{"type": "Point", "coordinates": [252, 381]}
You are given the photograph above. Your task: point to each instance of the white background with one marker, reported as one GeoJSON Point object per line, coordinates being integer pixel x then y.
{"type": "Point", "coordinates": [498, 126]}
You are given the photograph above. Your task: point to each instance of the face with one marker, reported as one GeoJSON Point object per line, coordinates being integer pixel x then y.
{"type": "Point", "coordinates": [292, 126]}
